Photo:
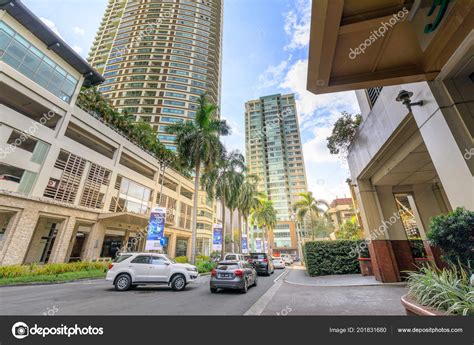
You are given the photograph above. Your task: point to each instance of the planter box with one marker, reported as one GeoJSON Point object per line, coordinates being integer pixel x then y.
{"type": "Point", "coordinates": [415, 309]}
{"type": "Point", "coordinates": [366, 266]}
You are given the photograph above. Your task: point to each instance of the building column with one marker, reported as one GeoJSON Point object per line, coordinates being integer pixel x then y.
{"type": "Point", "coordinates": [383, 259]}
{"type": "Point", "coordinates": [20, 237]}
{"type": "Point", "coordinates": [94, 242]}
{"type": "Point", "coordinates": [63, 240]}
{"type": "Point", "coordinates": [427, 205]}
{"type": "Point", "coordinates": [396, 231]}
{"type": "Point", "coordinates": [189, 247]}
{"type": "Point", "coordinates": [172, 245]}
{"type": "Point", "coordinates": [448, 160]}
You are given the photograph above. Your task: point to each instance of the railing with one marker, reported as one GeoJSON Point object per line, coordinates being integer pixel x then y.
{"type": "Point", "coordinates": [373, 93]}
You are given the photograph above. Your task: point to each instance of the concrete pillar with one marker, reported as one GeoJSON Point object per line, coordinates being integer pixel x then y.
{"type": "Point", "coordinates": [23, 233]}
{"type": "Point", "coordinates": [189, 248]}
{"type": "Point", "coordinates": [172, 245]}
{"type": "Point", "coordinates": [94, 242]}
{"type": "Point", "coordinates": [427, 204]}
{"type": "Point", "coordinates": [63, 240]}
{"type": "Point", "coordinates": [396, 231]}
{"type": "Point", "coordinates": [451, 166]}
{"type": "Point", "coordinates": [383, 259]}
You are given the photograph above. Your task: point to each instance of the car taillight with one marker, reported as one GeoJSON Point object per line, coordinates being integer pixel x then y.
{"type": "Point", "coordinates": [250, 260]}
{"type": "Point", "coordinates": [265, 260]}
{"type": "Point", "coordinates": [213, 272]}
{"type": "Point", "coordinates": [111, 265]}
{"type": "Point", "coordinates": [239, 273]}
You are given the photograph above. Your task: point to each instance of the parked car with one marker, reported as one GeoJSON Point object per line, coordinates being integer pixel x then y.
{"type": "Point", "coordinates": [233, 275]}
{"type": "Point", "coordinates": [132, 269]}
{"type": "Point", "coordinates": [287, 258]}
{"type": "Point", "coordinates": [278, 262]}
{"type": "Point", "coordinates": [234, 257]}
{"type": "Point", "coordinates": [261, 263]}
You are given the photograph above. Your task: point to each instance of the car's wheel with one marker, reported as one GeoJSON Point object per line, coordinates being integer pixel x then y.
{"type": "Point", "coordinates": [178, 283]}
{"type": "Point", "coordinates": [123, 282]}
{"type": "Point", "coordinates": [213, 289]}
{"type": "Point", "coordinates": [246, 287]}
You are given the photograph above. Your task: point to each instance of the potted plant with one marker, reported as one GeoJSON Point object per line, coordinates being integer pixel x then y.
{"type": "Point", "coordinates": [364, 262]}
{"type": "Point", "coordinates": [446, 291]}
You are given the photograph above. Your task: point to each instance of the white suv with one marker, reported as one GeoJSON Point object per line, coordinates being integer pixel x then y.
{"type": "Point", "coordinates": [131, 269]}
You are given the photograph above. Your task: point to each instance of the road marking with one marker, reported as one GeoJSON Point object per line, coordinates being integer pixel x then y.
{"type": "Point", "coordinates": [259, 306]}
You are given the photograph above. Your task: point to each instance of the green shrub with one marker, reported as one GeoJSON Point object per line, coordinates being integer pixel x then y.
{"type": "Point", "coordinates": [454, 234]}
{"type": "Point", "coordinates": [332, 257]}
{"type": "Point", "coordinates": [202, 258]}
{"type": "Point", "coordinates": [181, 259]}
{"type": "Point", "coordinates": [49, 269]}
{"type": "Point", "coordinates": [205, 266]}
{"type": "Point", "coordinates": [448, 289]}
{"type": "Point", "coordinates": [417, 248]}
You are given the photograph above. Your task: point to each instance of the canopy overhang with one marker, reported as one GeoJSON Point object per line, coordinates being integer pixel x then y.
{"type": "Point", "coordinates": [356, 44]}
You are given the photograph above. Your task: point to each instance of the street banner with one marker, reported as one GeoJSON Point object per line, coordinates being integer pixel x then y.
{"type": "Point", "coordinates": [258, 245]}
{"type": "Point", "coordinates": [217, 237]}
{"type": "Point", "coordinates": [245, 248]}
{"type": "Point", "coordinates": [156, 229]}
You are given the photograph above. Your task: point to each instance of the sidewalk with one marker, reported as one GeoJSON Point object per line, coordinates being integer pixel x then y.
{"type": "Point", "coordinates": [300, 294]}
{"type": "Point", "coordinates": [299, 276]}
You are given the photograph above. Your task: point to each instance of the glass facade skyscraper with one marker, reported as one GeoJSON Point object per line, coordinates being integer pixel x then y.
{"type": "Point", "coordinates": [274, 153]}
{"type": "Point", "coordinates": [158, 56]}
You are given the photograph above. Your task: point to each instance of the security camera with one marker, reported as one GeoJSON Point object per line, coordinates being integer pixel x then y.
{"type": "Point", "coordinates": [404, 97]}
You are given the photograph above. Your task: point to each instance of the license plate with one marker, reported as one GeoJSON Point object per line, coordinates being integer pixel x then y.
{"type": "Point", "coordinates": [224, 275]}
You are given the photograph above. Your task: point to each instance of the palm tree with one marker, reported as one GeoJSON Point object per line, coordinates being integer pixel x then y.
{"type": "Point", "coordinates": [308, 205]}
{"type": "Point", "coordinates": [199, 147]}
{"type": "Point", "coordinates": [248, 199]}
{"type": "Point", "coordinates": [265, 216]}
{"type": "Point", "coordinates": [222, 181]}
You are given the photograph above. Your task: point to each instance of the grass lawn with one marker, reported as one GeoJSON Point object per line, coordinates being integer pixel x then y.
{"type": "Point", "coordinates": [53, 277]}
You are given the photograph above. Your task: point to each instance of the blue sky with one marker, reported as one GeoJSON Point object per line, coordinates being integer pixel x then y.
{"type": "Point", "coordinates": [265, 52]}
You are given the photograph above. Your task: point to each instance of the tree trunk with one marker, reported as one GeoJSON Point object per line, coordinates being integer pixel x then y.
{"type": "Point", "coordinates": [312, 227]}
{"type": "Point", "coordinates": [232, 231]}
{"type": "Point", "coordinates": [264, 229]}
{"type": "Point", "coordinates": [223, 228]}
{"type": "Point", "coordinates": [195, 206]}
{"type": "Point", "coordinates": [240, 233]}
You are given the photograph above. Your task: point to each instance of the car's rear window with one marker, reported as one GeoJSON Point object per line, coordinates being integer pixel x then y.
{"type": "Point", "coordinates": [231, 257]}
{"type": "Point", "coordinates": [121, 258]}
{"type": "Point", "coordinates": [227, 267]}
{"type": "Point", "coordinates": [258, 256]}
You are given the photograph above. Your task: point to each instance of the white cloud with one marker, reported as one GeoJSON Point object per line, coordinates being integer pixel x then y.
{"type": "Point", "coordinates": [79, 31]}
{"type": "Point", "coordinates": [298, 24]}
{"type": "Point", "coordinates": [78, 49]}
{"type": "Point", "coordinates": [50, 24]}
{"type": "Point", "coordinates": [308, 103]}
{"type": "Point", "coordinates": [273, 75]}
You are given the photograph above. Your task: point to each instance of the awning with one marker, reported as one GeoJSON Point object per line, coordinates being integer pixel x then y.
{"type": "Point", "coordinates": [356, 44]}
{"type": "Point", "coordinates": [135, 219]}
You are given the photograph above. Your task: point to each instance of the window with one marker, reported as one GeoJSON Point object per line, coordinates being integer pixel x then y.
{"type": "Point", "coordinates": [157, 260]}
{"type": "Point", "coordinates": [31, 62]}
{"type": "Point", "coordinates": [121, 258]}
{"type": "Point", "coordinates": [141, 259]}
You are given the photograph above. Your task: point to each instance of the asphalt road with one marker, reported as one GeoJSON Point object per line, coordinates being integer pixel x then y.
{"type": "Point", "coordinates": [98, 297]}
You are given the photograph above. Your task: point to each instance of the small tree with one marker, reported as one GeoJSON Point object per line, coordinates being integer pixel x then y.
{"type": "Point", "coordinates": [343, 132]}
{"type": "Point", "coordinates": [349, 230]}
{"type": "Point", "coordinates": [454, 234]}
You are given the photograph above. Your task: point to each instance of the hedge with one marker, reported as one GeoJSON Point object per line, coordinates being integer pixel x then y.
{"type": "Point", "coordinates": [14, 271]}
{"type": "Point", "coordinates": [332, 257]}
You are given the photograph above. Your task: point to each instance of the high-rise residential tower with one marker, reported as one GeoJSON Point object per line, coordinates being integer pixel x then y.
{"type": "Point", "coordinates": [158, 56]}
{"type": "Point", "coordinates": [274, 153]}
